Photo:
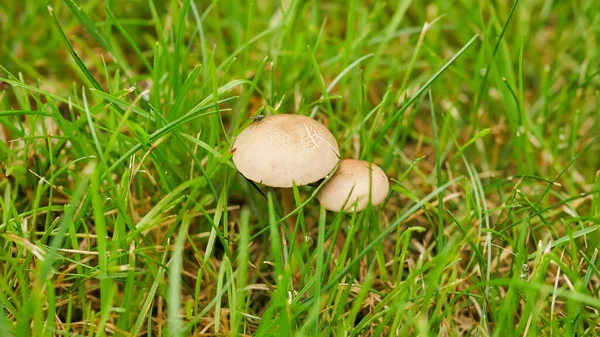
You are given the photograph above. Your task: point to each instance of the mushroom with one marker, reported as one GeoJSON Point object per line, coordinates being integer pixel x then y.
{"type": "Point", "coordinates": [354, 184]}
{"type": "Point", "coordinates": [284, 149]}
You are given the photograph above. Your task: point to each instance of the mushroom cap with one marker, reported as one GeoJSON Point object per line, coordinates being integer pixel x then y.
{"type": "Point", "coordinates": [352, 183]}
{"type": "Point", "coordinates": [281, 149]}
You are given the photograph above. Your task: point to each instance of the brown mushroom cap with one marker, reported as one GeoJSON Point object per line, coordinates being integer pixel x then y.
{"type": "Point", "coordinates": [281, 149]}
{"type": "Point", "coordinates": [352, 183]}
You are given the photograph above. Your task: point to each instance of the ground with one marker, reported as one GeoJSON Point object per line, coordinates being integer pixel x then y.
{"type": "Point", "coordinates": [121, 212]}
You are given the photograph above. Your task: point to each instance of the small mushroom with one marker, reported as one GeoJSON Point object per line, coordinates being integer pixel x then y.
{"type": "Point", "coordinates": [354, 184]}
{"type": "Point", "coordinates": [282, 149]}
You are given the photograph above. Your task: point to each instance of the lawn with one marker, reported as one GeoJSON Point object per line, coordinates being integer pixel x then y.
{"type": "Point", "coordinates": [123, 214]}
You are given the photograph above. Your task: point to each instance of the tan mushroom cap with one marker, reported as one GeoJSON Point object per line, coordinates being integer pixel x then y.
{"type": "Point", "coordinates": [352, 183]}
{"type": "Point", "coordinates": [281, 149]}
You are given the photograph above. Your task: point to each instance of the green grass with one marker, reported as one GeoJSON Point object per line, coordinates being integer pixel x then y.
{"type": "Point", "coordinates": [121, 212]}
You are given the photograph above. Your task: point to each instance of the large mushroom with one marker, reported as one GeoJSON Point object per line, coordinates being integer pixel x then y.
{"type": "Point", "coordinates": [284, 149]}
{"type": "Point", "coordinates": [353, 186]}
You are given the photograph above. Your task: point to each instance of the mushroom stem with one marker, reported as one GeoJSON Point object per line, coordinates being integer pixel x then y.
{"type": "Point", "coordinates": [287, 198]}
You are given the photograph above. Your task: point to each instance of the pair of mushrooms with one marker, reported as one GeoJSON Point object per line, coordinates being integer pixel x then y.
{"type": "Point", "coordinates": [284, 149]}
